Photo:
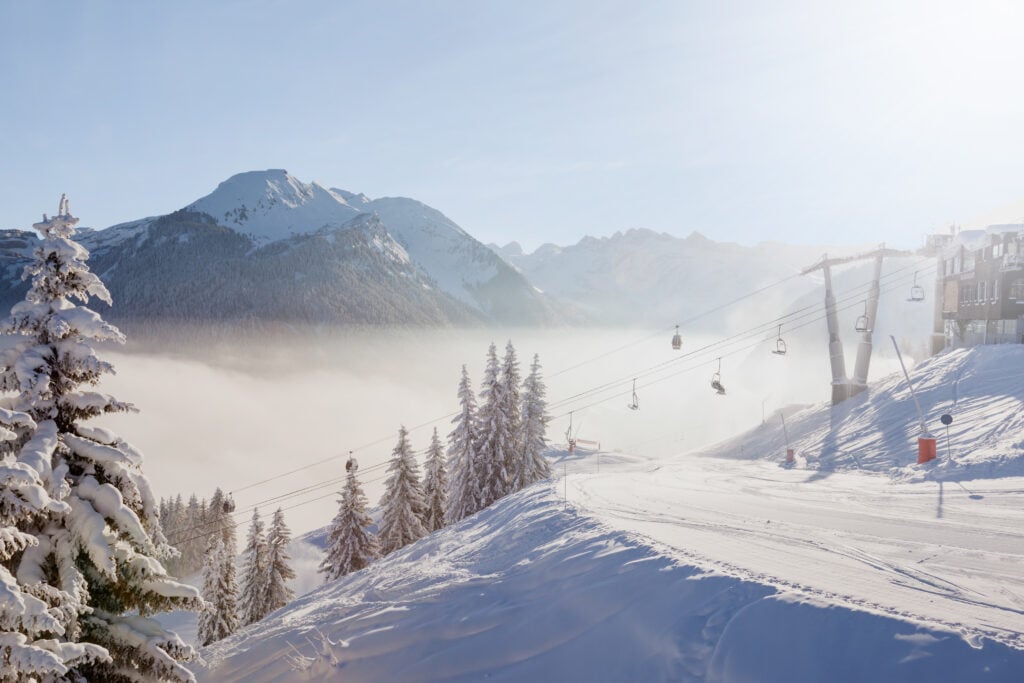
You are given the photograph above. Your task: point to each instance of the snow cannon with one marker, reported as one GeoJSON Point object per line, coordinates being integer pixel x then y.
{"type": "Point", "coordinates": [925, 449]}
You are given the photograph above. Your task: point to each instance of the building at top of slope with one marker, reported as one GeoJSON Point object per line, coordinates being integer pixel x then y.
{"type": "Point", "coordinates": [980, 286]}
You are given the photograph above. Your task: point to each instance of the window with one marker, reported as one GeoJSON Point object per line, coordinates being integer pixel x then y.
{"type": "Point", "coordinates": [1017, 289]}
{"type": "Point", "coordinates": [981, 291]}
{"type": "Point", "coordinates": [995, 290]}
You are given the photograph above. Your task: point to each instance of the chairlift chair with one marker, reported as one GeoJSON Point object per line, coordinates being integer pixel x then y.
{"type": "Point", "coordinates": [229, 504]}
{"type": "Point", "coordinates": [916, 291]}
{"type": "Point", "coordinates": [635, 405]}
{"type": "Point", "coordinates": [716, 380]}
{"type": "Point", "coordinates": [780, 344]}
{"type": "Point", "coordinates": [862, 323]}
{"type": "Point", "coordinates": [677, 340]}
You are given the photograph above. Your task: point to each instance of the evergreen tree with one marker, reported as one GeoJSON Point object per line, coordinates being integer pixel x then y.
{"type": "Point", "coordinates": [220, 618]}
{"type": "Point", "coordinates": [26, 621]}
{"type": "Point", "coordinates": [403, 504]}
{"type": "Point", "coordinates": [218, 520]}
{"type": "Point", "coordinates": [350, 544]}
{"type": "Point", "coordinates": [96, 562]}
{"type": "Point", "coordinates": [533, 439]}
{"type": "Point", "coordinates": [253, 590]}
{"type": "Point", "coordinates": [512, 424]}
{"type": "Point", "coordinates": [190, 537]}
{"type": "Point", "coordinates": [435, 485]}
{"type": "Point", "coordinates": [173, 522]}
{"type": "Point", "coordinates": [464, 486]}
{"type": "Point", "coordinates": [279, 569]}
{"type": "Point", "coordinates": [494, 440]}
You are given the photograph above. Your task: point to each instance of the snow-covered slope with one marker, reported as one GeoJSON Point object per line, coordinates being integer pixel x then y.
{"type": "Point", "coordinates": [185, 268]}
{"type": "Point", "coordinates": [273, 205]}
{"type": "Point", "coordinates": [458, 263]}
{"type": "Point", "coordinates": [981, 388]}
{"type": "Point", "coordinates": [708, 568]}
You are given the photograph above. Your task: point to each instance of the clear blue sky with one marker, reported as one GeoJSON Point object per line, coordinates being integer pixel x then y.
{"type": "Point", "coordinates": [531, 121]}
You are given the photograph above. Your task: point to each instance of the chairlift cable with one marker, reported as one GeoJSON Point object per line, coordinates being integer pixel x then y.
{"type": "Point", "coordinates": [656, 368]}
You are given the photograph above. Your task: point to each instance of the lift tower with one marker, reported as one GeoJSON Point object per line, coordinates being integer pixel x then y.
{"type": "Point", "coordinates": [842, 386]}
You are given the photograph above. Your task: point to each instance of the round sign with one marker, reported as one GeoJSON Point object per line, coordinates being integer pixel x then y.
{"type": "Point", "coordinates": [946, 419]}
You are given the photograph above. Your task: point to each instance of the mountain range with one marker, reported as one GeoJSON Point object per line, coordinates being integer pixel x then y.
{"type": "Point", "coordinates": [267, 248]}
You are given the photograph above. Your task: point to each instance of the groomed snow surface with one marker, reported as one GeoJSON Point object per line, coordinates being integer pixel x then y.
{"type": "Point", "coordinates": [854, 565]}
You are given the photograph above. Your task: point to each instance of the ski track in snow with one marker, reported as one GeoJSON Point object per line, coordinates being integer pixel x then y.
{"type": "Point", "coordinates": [852, 565]}
{"type": "Point", "coordinates": [911, 551]}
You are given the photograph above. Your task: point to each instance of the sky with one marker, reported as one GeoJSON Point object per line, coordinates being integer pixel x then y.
{"type": "Point", "coordinates": [802, 122]}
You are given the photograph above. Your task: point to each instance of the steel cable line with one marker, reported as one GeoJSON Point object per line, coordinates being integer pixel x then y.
{"type": "Point", "coordinates": [684, 323]}
{"type": "Point", "coordinates": [712, 347]}
{"type": "Point", "coordinates": [742, 337]}
{"type": "Point", "coordinates": [556, 374]}
{"type": "Point", "coordinates": [690, 354]}
{"type": "Point", "coordinates": [811, 310]}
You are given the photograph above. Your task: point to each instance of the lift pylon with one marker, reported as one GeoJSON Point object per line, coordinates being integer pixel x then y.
{"type": "Point", "coordinates": [842, 386]}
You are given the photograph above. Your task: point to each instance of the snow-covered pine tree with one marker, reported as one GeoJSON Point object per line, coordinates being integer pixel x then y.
{"type": "Point", "coordinates": [467, 477]}
{"type": "Point", "coordinates": [220, 618]}
{"type": "Point", "coordinates": [435, 485]}
{"type": "Point", "coordinates": [97, 563]}
{"type": "Point", "coordinates": [191, 540]}
{"type": "Point", "coordinates": [220, 583]}
{"type": "Point", "coordinates": [252, 594]}
{"type": "Point", "coordinates": [174, 523]}
{"type": "Point", "coordinates": [494, 439]}
{"type": "Point", "coordinates": [350, 544]}
{"type": "Point", "coordinates": [533, 436]}
{"type": "Point", "coordinates": [279, 569]}
{"type": "Point", "coordinates": [403, 504]}
{"type": "Point", "coordinates": [27, 651]}
{"type": "Point", "coordinates": [512, 426]}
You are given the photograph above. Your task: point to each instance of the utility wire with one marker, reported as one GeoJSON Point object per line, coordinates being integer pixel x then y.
{"type": "Point", "coordinates": [732, 339]}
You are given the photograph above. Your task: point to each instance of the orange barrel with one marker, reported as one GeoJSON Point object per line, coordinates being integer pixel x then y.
{"type": "Point", "coordinates": [925, 449]}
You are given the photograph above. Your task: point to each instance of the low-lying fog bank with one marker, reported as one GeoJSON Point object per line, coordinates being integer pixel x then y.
{"type": "Point", "coordinates": [238, 410]}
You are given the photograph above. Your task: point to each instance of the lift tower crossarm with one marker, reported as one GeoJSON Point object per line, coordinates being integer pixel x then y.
{"type": "Point", "coordinates": [842, 387]}
{"type": "Point", "coordinates": [881, 250]}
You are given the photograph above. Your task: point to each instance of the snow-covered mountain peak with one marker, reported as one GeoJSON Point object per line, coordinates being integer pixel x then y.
{"type": "Point", "coordinates": [354, 199]}
{"type": "Point", "coordinates": [273, 204]}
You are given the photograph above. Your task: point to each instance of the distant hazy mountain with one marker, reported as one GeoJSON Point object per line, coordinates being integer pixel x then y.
{"type": "Point", "coordinates": [266, 247]}
{"type": "Point", "coordinates": [644, 277]}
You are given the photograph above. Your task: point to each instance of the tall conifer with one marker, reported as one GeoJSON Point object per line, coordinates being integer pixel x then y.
{"type": "Point", "coordinates": [252, 595]}
{"type": "Point", "coordinates": [466, 478]}
{"type": "Point", "coordinates": [403, 504]}
{"type": "Point", "coordinates": [279, 568]}
{"type": "Point", "coordinates": [533, 439]}
{"type": "Point", "coordinates": [435, 485]}
{"type": "Point", "coordinates": [351, 545]}
{"type": "Point", "coordinates": [97, 560]}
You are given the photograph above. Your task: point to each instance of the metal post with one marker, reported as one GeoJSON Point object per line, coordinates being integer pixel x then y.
{"type": "Point", "coordinates": [835, 345]}
{"type": "Point", "coordinates": [920, 414]}
{"type": "Point", "coordinates": [860, 371]}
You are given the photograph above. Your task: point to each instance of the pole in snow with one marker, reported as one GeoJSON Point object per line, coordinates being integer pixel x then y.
{"type": "Point", "coordinates": [925, 442]}
{"type": "Point", "coordinates": [947, 420]}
